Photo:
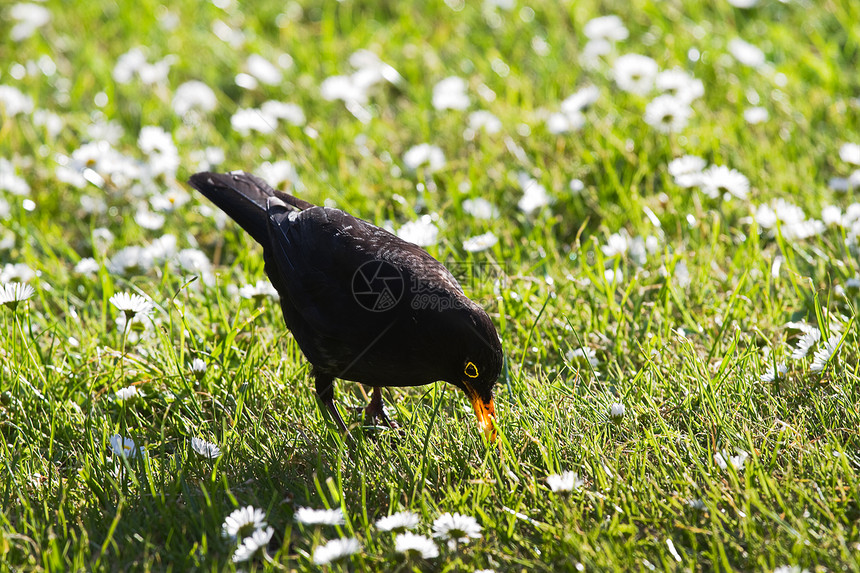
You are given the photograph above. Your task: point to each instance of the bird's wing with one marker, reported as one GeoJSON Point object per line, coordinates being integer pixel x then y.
{"type": "Point", "coordinates": [343, 275]}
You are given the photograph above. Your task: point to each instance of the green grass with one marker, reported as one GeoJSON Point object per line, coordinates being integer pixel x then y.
{"type": "Point", "coordinates": [686, 358]}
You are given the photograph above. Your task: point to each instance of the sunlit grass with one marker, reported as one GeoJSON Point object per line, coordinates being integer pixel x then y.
{"type": "Point", "coordinates": [682, 331]}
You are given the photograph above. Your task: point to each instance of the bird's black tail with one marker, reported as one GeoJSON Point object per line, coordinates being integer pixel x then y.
{"type": "Point", "coordinates": [244, 198]}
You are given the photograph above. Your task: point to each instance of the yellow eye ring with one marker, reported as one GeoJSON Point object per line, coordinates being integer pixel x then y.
{"type": "Point", "coordinates": [471, 370]}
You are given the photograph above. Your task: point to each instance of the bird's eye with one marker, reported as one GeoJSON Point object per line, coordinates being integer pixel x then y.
{"type": "Point", "coordinates": [471, 370]}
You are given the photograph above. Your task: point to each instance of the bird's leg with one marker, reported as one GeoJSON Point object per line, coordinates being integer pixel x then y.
{"type": "Point", "coordinates": [375, 410]}
{"type": "Point", "coordinates": [325, 393]}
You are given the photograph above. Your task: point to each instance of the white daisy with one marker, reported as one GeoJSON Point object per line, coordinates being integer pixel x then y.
{"type": "Point", "coordinates": [310, 516]}
{"type": "Point", "coordinates": [156, 72]}
{"type": "Point", "coordinates": [131, 304]}
{"type": "Point", "coordinates": [719, 179]}
{"type": "Point", "coordinates": [198, 368]}
{"type": "Point", "coordinates": [480, 208]}
{"type": "Point", "coordinates": [616, 244]}
{"type": "Point", "coordinates": [154, 139]}
{"type": "Point", "coordinates": [831, 215]}
{"type": "Point", "coordinates": [365, 61]}
{"type": "Point", "coordinates": [250, 545]}
{"type": "Point", "coordinates": [205, 449]}
{"type": "Point", "coordinates": [194, 261]}
{"type": "Point", "coordinates": [850, 153]}
{"type": "Point", "coordinates": [697, 504]}
{"type": "Point", "coordinates": [209, 158]}
{"type": "Point", "coordinates": [789, 568]}
{"type": "Point", "coordinates": [126, 393]}
{"type": "Point", "coordinates": [565, 481]}
{"type": "Point", "coordinates": [170, 200]}
{"type": "Point", "coordinates": [193, 95]}
{"type": "Point", "coordinates": [87, 266]}
{"type": "Point", "coordinates": [399, 521]}
{"type": "Point", "coordinates": [616, 412]}
{"type": "Point", "coordinates": [668, 114]}
{"type": "Point", "coordinates": [279, 173]}
{"type": "Point", "coordinates": [102, 239]}
{"type": "Point", "coordinates": [687, 170]}
{"type": "Point", "coordinates": [613, 275]}
{"type": "Point", "coordinates": [418, 545]}
{"type": "Point", "coordinates": [131, 260]}
{"type": "Point", "coordinates": [483, 119]}
{"type": "Point", "coordinates": [825, 353]}
{"type": "Point", "coordinates": [149, 220]}
{"type": "Point", "coordinates": [456, 528]}
{"type": "Point", "coordinates": [12, 294]}
{"type": "Point", "coordinates": [755, 115]}
{"type": "Point", "coordinates": [801, 325]}
{"type": "Point", "coordinates": [246, 120]}
{"type": "Point", "coordinates": [809, 339]}
{"type": "Point", "coordinates": [16, 272]}
{"type": "Point", "coordinates": [680, 84]}
{"type": "Point", "coordinates": [593, 51]}
{"type": "Point", "coordinates": [450, 93]}
{"type": "Point", "coordinates": [534, 196]}
{"type": "Point", "coordinates": [845, 183]}
{"type": "Point", "coordinates": [259, 290]}
{"type": "Point", "coordinates": [343, 88]}
{"type": "Point", "coordinates": [558, 123]}
{"type": "Point", "coordinates": [246, 81]}
{"type": "Point", "coordinates": [13, 101]}
{"type": "Point", "coordinates": [9, 179]}
{"type": "Point", "coordinates": [480, 242]}
{"type": "Point", "coordinates": [422, 232]}
{"type": "Point", "coordinates": [263, 70]}
{"type": "Point", "coordinates": [424, 155]}
{"type": "Point", "coordinates": [609, 28]}
{"type": "Point", "coordinates": [540, 46]}
{"type": "Point", "coordinates": [587, 354]}
{"type": "Point", "coordinates": [162, 248]}
{"type": "Point", "coordinates": [723, 459]}
{"type": "Point", "coordinates": [773, 373]}
{"type": "Point", "coordinates": [635, 73]}
{"type": "Point", "coordinates": [793, 221]}
{"type": "Point", "coordinates": [243, 522]}
{"type": "Point", "coordinates": [580, 100]}
{"type": "Point", "coordinates": [336, 550]}
{"type": "Point", "coordinates": [743, 3]}
{"type": "Point", "coordinates": [681, 274]}
{"type": "Point", "coordinates": [292, 113]}
{"type": "Point", "coordinates": [500, 4]}
{"type": "Point", "coordinates": [28, 18]}
{"type": "Point", "coordinates": [52, 122]}
{"type": "Point", "coordinates": [370, 71]}
{"type": "Point", "coordinates": [110, 131]}
{"type": "Point", "coordinates": [746, 53]}
{"type": "Point", "coordinates": [123, 446]}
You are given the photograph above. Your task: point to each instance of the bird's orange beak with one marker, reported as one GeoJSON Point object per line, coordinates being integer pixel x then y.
{"type": "Point", "coordinates": [486, 413]}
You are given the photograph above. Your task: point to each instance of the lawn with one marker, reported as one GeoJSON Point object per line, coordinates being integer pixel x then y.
{"type": "Point", "coordinates": [655, 202]}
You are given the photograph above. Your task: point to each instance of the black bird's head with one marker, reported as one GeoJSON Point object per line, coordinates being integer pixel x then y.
{"type": "Point", "coordinates": [479, 367]}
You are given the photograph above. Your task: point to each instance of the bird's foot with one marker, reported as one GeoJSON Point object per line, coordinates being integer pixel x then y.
{"type": "Point", "coordinates": [374, 415]}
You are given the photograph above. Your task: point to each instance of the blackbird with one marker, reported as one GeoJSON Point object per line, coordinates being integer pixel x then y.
{"type": "Point", "coordinates": [363, 304]}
